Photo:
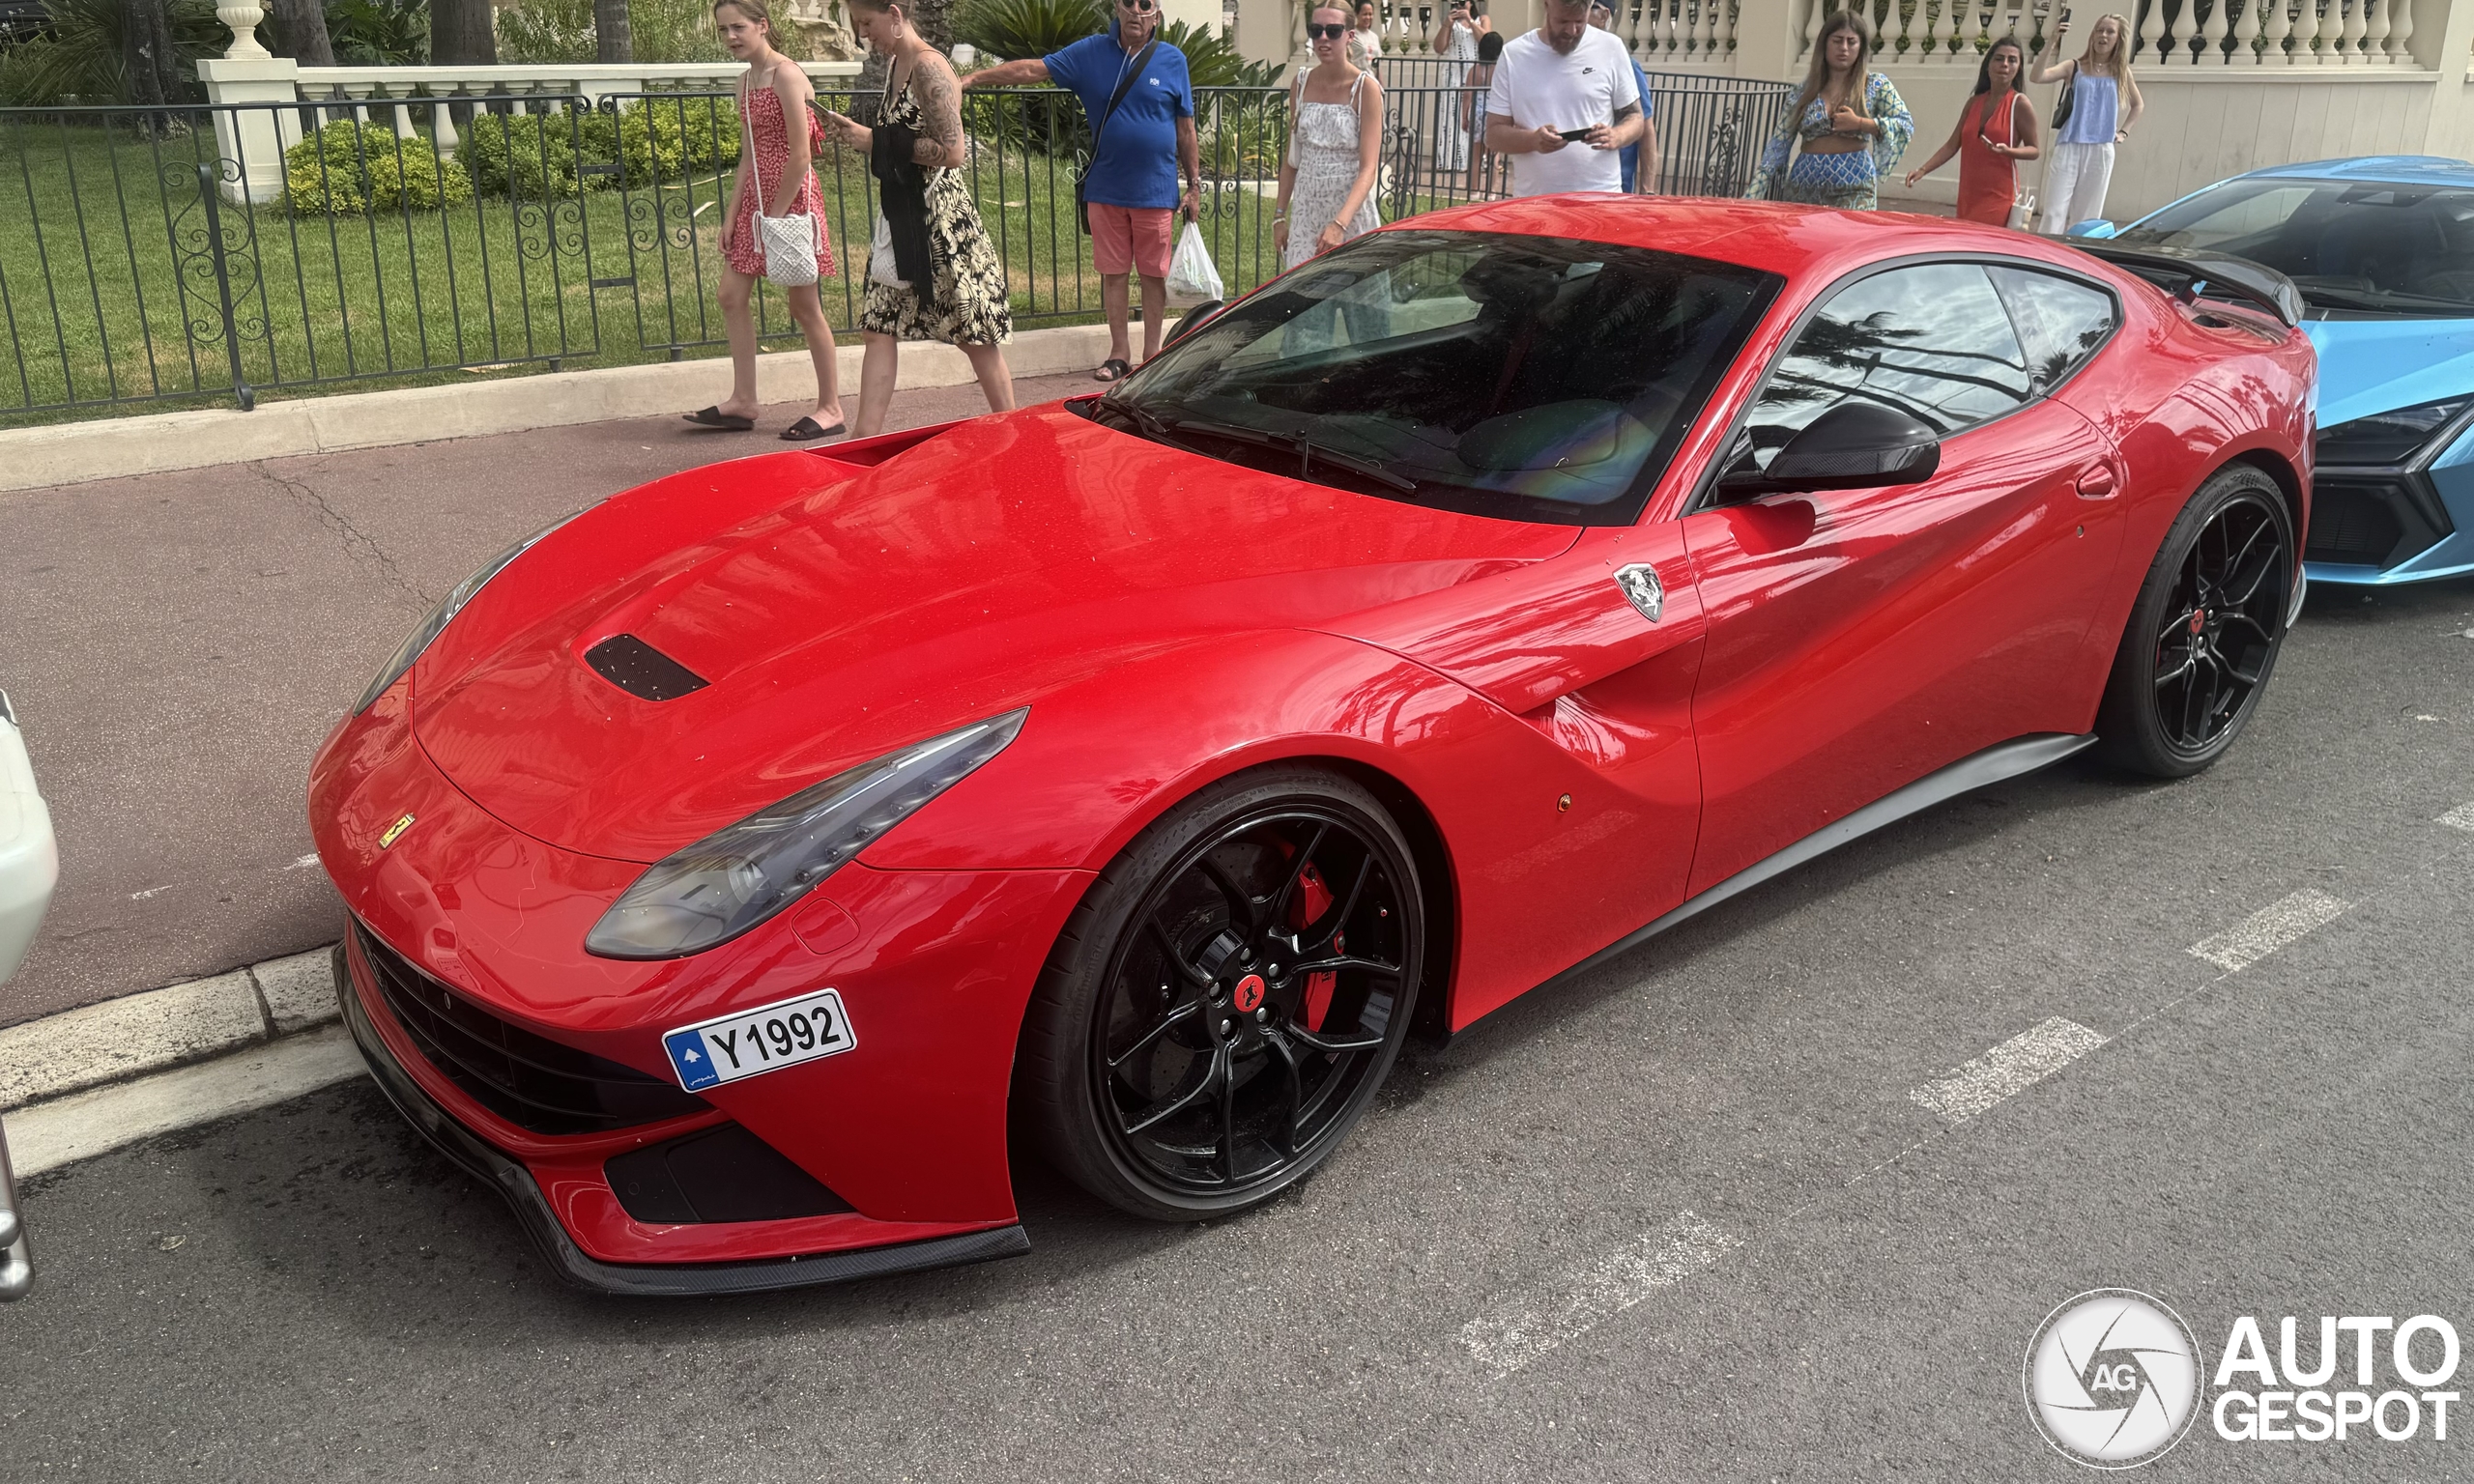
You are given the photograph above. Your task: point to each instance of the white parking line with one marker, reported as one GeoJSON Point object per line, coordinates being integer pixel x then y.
{"type": "Point", "coordinates": [2269, 928]}
{"type": "Point", "coordinates": [2024, 1060]}
{"type": "Point", "coordinates": [2461, 817]}
{"type": "Point", "coordinates": [1521, 1331]}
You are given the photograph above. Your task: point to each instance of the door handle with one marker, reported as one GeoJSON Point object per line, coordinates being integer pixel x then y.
{"type": "Point", "coordinates": [2096, 483]}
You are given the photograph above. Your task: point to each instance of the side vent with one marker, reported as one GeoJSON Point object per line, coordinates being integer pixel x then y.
{"type": "Point", "coordinates": [640, 670]}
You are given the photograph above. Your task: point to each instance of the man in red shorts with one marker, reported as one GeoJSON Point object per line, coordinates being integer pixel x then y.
{"type": "Point", "coordinates": [1141, 106]}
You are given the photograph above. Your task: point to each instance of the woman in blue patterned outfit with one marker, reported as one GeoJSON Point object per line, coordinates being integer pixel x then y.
{"type": "Point", "coordinates": [1851, 124]}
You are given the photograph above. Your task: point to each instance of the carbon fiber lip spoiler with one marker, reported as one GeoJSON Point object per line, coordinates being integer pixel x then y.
{"type": "Point", "coordinates": [2187, 272]}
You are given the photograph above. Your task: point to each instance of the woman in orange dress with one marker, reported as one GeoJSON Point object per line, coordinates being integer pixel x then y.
{"type": "Point", "coordinates": [1995, 130]}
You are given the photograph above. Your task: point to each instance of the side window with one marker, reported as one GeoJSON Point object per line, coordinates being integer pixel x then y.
{"type": "Point", "coordinates": [2061, 322]}
{"type": "Point", "coordinates": [1931, 341]}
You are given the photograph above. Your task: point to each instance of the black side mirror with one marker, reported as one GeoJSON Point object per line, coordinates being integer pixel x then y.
{"type": "Point", "coordinates": [1854, 445]}
{"type": "Point", "coordinates": [1192, 319]}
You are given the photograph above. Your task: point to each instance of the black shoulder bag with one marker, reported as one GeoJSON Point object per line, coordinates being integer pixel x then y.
{"type": "Point", "coordinates": [2069, 95]}
{"type": "Point", "coordinates": [1142, 60]}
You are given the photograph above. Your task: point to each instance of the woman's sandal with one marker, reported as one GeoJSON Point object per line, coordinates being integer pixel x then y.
{"type": "Point", "coordinates": [716, 417]}
{"type": "Point", "coordinates": [1112, 369]}
{"type": "Point", "coordinates": [807, 431]}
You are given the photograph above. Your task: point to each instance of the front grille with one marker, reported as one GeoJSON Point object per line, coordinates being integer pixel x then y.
{"type": "Point", "coordinates": [724, 1174]}
{"type": "Point", "coordinates": [2351, 526]}
{"type": "Point", "coordinates": [530, 1080]}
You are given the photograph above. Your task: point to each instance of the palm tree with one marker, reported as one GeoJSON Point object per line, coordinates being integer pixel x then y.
{"type": "Point", "coordinates": [612, 40]}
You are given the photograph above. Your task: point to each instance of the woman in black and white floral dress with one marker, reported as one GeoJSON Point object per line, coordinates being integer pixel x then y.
{"type": "Point", "coordinates": [962, 301]}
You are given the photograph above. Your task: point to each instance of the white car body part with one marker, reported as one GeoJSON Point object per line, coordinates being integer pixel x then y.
{"type": "Point", "coordinates": [29, 866]}
{"type": "Point", "coordinates": [29, 857]}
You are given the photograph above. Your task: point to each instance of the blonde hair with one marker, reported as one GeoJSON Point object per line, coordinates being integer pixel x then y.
{"type": "Point", "coordinates": [2118, 64]}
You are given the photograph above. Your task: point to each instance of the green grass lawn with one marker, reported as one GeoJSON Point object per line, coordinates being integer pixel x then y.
{"type": "Point", "coordinates": [106, 293]}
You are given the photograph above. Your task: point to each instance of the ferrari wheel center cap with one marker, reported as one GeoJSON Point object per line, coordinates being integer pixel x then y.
{"type": "Point", "coordinates": [1249, 993]}
{"type": "Point", "coordinates": [2199, 619]}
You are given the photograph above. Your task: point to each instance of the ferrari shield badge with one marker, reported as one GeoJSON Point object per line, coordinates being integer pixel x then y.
{"type": "Point", "coordinates": [394, 832]}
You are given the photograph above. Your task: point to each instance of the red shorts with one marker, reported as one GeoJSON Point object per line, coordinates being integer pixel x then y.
{"type": "Point", "coordinates": [1131, 238]}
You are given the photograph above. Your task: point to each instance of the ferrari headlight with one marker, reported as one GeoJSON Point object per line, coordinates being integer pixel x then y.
{"type": "Point", "coordinates": [735, 878]}
{"type": "Point", "coordinates": [2387, 438]}
{"type": "Point", "coordinates": [444, 613]}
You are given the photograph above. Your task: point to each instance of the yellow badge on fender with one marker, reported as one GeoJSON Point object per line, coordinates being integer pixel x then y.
{"type": "Point", "coordinates": [394, 832]}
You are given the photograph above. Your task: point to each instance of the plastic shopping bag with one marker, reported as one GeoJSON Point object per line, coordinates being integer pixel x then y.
{"type": "Point", "coordinates": [1192, 277]}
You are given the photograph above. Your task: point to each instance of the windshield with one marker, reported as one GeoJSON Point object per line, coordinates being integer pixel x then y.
{"type": "Point", "coordinates": [1529, 377]}
{"type": "Point", "coordinates": [2348, 246]}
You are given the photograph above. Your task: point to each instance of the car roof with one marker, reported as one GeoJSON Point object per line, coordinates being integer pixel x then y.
{"type": "Point", "coordinates": [2387, 169]}
{"type": "Point", "coordinates": [1797, 242]}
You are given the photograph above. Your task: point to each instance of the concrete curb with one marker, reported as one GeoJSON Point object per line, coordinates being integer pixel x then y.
{"type": "Point", "coordinates": [139, 1035]}
{"type": "Point", "coordinates": [116, 447]}
{"type": "Point", "coordinates": [68, 1129]}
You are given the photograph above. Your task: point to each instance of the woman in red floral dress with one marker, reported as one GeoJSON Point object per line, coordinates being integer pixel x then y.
{"type": "Point", "coordinates": [777, 171]}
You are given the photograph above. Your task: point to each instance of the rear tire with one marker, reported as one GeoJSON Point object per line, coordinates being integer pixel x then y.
{"type": "Point", "coordinates": [1227, 1000]}
{"type": "Point", "coordinates": [2204, 634]}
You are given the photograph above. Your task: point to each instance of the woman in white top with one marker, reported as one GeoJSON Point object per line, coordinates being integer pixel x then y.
{"type": "Point", "coordinates": [1458, 44]}
{"type": "Point", "coordinates": [1365, 43]}
{"type": "Point", "coordinates": [2104, 103]}
{"type": "Point", "coordinates": [1335, 147]}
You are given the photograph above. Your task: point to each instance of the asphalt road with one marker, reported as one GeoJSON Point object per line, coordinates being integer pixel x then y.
{"type": "Point", "coordinates": [1678, 1219]}
{"type": "Point", "coordinates": [177, 645]}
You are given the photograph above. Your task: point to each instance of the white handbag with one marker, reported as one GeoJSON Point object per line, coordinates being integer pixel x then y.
{"type": "Point", "coordinates": [788, 244]}
{"type": "Point", "coordinates": [880, 264]}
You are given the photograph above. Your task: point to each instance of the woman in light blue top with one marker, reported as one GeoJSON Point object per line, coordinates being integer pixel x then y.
{"type": "Point", "coordinates": [2102, 104]}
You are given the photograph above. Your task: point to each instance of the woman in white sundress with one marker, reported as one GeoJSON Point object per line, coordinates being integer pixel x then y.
{"type": "Point", "coordinates": [1335, 147]}
{"type": "Point", "coordinates": [1459, 47]}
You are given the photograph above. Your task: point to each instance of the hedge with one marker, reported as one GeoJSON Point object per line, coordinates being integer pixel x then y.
{"type": "Point", "coordinates": [350, 169]}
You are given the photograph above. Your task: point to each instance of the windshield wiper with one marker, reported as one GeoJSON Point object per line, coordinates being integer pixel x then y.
{"type": "Point", "coordinates": [1148, 423]}
{"type": "Point", "coordinates": [1306, 449]}
{"type": "Point", "coordinates": [2377, 300]}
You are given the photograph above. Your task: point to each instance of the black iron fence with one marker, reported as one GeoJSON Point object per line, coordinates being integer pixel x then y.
{"type": "Point", "coordinates": [220, 251]}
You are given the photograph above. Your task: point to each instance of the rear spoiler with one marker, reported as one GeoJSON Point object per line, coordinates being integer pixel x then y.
{"type": "Point", "coordinates": [2188, 273]}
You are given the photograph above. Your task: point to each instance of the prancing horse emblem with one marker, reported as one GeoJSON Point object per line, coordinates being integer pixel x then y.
{"type": "Point", "coordinates": [394, 832]}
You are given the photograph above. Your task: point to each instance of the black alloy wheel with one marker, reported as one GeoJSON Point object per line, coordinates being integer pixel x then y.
{"type": "Point", "coordinates": [1229, 997]}
{"type": "Point", "coordinates": [2205, 631]}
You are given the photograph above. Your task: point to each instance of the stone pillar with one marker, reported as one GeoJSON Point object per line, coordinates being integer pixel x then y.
{"type": "Point", "coordinates": [254, 138]}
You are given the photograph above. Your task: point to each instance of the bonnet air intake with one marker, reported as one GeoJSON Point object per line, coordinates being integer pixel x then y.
{"type": "Point", "coordinates": [640, 670]}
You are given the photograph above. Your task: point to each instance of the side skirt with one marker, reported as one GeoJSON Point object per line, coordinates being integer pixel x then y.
{"type": "Point", "coordinates": [2002, 760]}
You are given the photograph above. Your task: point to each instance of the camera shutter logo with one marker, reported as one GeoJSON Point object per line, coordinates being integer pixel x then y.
{"type": "Point", "coordinates": [2112, 1379]}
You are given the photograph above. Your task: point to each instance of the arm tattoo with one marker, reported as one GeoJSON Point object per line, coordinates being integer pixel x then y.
{"type": "Point", "coordinates": [1629, 110]}
{"type": "Point", "coordinates": [941, 112]}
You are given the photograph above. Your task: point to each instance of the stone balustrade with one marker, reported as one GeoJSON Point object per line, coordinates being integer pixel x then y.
{"type": "Point", "coordinates": [257, 137]}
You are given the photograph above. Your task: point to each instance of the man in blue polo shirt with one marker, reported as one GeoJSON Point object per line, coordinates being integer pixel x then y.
{"type": "Point", "coordinates": [1130, 186]}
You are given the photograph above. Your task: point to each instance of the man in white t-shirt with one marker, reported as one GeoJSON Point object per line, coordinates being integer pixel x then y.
{"type": "Point", "coordinates": [1564, 104]}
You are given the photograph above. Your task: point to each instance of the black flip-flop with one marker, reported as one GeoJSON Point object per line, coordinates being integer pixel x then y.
{"type": "Point", "coordinates": [1112, 369]}
{"type": "Point", "coordinates": [716, 417]}
{"type": "Point", "coordinates": [807, 431]}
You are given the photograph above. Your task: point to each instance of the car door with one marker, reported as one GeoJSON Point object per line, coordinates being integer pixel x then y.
{"type": "Point", "coordinates": [1859, 640]}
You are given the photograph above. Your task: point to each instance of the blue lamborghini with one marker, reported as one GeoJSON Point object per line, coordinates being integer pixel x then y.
{"type": "Point", "coordinates": [2382, 249]}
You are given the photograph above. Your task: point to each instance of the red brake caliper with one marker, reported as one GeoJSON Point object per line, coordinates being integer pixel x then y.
{"type": "Point", "coordinates": [1313, 899]}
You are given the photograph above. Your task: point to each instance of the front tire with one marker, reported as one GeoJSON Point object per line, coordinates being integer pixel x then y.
{"type": "Point", "coordinates": [2205, 631]}
{"type": "Point", "coordinates": [1227, 1000]}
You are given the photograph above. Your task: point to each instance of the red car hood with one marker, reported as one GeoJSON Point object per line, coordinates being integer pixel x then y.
{"type": "Point", "coordinates": [841, 612]}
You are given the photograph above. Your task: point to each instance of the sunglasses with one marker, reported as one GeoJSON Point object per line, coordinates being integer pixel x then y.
{"type": "Point", "coordinates": [1139, 7]}
{"type": "Point", "coordinates": [1326, 32]}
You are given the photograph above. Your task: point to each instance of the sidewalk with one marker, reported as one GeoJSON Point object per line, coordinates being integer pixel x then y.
{"type": "Point", "coordinates": [177, 645]}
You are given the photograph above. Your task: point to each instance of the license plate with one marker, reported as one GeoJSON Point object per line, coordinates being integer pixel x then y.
{"type": "Point", "coordinates": [754, 1042]}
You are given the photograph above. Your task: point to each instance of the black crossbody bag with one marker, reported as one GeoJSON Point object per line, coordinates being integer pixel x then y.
{"type": "Point", "coordinates": [2069, 98]}
{"type": "Point", "coordinates": [1142, 59]}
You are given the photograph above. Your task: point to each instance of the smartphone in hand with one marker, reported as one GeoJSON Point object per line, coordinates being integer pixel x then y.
{"type": "Point", "coordinates": [1573, 134]}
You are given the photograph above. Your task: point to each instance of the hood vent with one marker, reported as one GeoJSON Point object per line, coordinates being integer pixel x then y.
{"type": "Point", "coordinates": [640, 670]}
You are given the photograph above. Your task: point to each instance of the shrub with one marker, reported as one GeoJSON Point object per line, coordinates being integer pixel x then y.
{"type": "Point", "coordinates": [658, 31]}
{"type": "Point", "coordinates": [529, 157]}
{"type": "Point", "coordinates": [81, 57]}
{"type": "Point", "coordinates": [657, 140]}
{"type": "Point", "coordinates": [349, 169]}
